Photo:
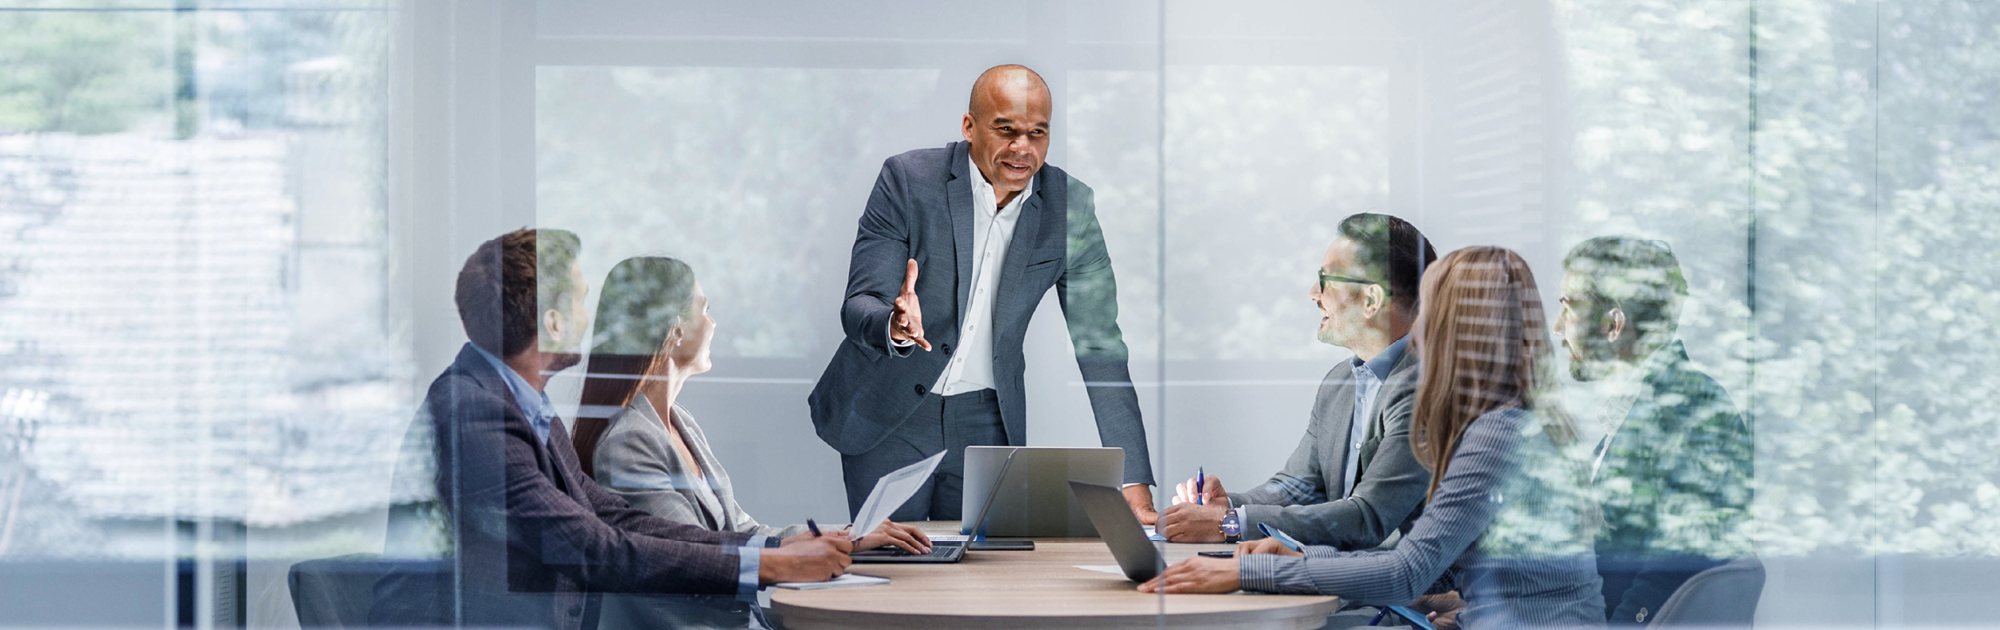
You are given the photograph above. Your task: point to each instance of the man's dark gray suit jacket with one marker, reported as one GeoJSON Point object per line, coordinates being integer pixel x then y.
{"type": "Point", "coordinates": [534, 538]}
{"type": "Point", "coordinates": [1389, 484]}
{"type": "Point", "coordinates": [921, 209]}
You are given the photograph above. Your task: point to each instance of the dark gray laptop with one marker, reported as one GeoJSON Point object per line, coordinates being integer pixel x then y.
{"type": "Point", "coordinates": [1120, 529]}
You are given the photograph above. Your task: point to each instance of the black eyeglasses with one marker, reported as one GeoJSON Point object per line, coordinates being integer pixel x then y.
{"type": "Point", "coordinates": [1325, 277]}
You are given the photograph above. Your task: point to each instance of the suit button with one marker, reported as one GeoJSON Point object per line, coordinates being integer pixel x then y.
{"type": "Point", "coordinates": [946, 348]}
{"type": "Point", "coordinates": [921, 389]}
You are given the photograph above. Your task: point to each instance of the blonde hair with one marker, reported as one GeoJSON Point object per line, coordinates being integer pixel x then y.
{"type": "Point", "coordinates": [1485, 347]}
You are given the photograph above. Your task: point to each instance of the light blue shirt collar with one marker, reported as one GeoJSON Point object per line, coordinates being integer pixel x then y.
{"type": "Point", "coordinates": [1368, 377]}
{"type": "Point", "coordinates": [1382, 363]}
{"type": "Point", "coordinates": [534, 404]}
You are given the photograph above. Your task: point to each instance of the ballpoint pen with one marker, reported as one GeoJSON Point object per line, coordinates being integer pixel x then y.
{"type": "Point", "coordinates": [1200, 477]}
{"type": "Point", "coordinates": [814, 527]}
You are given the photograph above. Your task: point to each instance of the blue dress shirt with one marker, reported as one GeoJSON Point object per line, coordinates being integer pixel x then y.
{"type": "Point", "coordinates": [1368, 377]}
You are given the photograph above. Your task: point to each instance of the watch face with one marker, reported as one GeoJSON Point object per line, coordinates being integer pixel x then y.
{"type": "Point", "coordinates": [1231, 526]}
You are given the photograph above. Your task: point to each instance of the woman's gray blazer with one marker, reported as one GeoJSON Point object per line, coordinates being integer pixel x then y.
{"type": "Point", "coordinates": [1507, 524]}
{"type": "Point", "coordinates": [636, 460]}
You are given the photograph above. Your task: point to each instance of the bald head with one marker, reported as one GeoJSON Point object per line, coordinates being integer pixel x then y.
{"type": "Point", "coordinates": [1003, 83]}
{"type": "Point", "coordinates": [1007, 126]}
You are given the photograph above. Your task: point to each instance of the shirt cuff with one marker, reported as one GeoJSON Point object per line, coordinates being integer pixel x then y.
{"type": "Point", "coordinates": [1257, 572]}
{"type": "Point", "coordinates": [748, 562]}
{"type": "Point", "coordinates": [1134, 484]}
{"type": "Point", "coordinates": [1270, 573]}
{"type": "Point", "coordinates": [893, 341]}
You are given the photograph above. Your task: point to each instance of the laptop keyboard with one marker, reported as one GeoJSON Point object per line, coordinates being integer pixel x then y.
{"type": "Point", "coordinates": [938, 550]}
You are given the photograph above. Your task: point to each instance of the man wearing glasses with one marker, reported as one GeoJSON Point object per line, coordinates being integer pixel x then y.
{"type": "Point", "coordinates": [1352, 480]}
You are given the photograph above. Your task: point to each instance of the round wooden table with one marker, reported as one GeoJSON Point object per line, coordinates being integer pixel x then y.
{"type": "Point", "coordinates": [1043, 588]}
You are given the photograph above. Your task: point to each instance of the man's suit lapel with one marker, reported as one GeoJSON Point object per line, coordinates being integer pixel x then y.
{"type": "Point", "coordinates": [1341, 409]}
{"type": "Point", "coordinates": [1377, 423]}
{"type": "Point", "coordinates": [1018, 254]}
{"type": "Point", "coordinates": [567, 472]}
{"type": "Point", "coordinates": [483, 374]}
{"type": "Point", "coordinates": [959, 196]}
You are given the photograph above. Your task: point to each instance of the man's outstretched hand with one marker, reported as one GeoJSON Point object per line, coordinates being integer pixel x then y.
{"type": "Point", "coordinates": [1140, 497]}
{"type": "Point", "coordinates": [906, 318]}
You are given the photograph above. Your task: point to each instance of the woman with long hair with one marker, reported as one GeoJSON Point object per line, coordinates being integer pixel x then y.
{"type": "Point", "coordinates": [1503, 523]}
{"type": "Point", "coordinates": [653, 333]}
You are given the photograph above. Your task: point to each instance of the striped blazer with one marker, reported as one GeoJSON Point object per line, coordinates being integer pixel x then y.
{"type": "Point", "coordinates": [1506, 523]}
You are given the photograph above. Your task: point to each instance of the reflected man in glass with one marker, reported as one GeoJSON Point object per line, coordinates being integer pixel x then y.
{"type": "Point", "coordinates": [1352, 481]}
{"type": "Point", "coordinates": [534, 540]}
{"type": "Point", "coordinates": [1673, 468]}
{"type": "Point", "coordinates": [955, 250]}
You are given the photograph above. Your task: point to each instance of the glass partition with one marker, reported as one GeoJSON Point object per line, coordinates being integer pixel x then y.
{"type": "Point", "coordinates": [1711, 295]}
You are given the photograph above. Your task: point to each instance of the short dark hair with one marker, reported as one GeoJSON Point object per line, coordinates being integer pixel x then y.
{"type": "Point", "coordinates": [508, 282]}
{"type": "Point", "coordinates": [1640, 277]}
{"type": "Point", "coordinates": [1391, 249]}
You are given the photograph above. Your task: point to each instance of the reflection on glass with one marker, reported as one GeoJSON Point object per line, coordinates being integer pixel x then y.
{"type": "Point", "coordinates": [1672, 471]}
{"type": "Point", "coordinates": [216, 318]}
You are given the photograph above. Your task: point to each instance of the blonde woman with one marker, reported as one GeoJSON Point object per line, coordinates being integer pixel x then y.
{"type": "Point", "coordinates": [653, 333]}
{"type": "Point", "coordinates": [1503, 520]}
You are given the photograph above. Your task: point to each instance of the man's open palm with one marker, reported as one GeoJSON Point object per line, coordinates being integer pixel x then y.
{"type": "Point", "coordinates": [906, 320]}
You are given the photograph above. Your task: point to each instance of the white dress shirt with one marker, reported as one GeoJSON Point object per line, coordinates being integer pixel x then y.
{"type": "Point", "coordinates": [1622, 391]}
{"type": "Point", "coordinates": [971, 367]}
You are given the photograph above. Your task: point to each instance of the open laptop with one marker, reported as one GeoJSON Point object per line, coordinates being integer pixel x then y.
{"type": "Point", "coordinates": [1035, 501]}
{"type": "Point", "coordinates": [1121, 531]}
{"type": "Point", "coordinates": [942, 550]}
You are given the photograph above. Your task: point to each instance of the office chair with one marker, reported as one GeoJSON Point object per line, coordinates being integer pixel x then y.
{"type": "Point", "coordinates": [335, 592]}
{"type": "Point", "coordinates": [1723, 596]}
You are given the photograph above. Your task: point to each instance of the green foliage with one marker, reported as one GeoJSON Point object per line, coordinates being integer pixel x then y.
{"type": "Point", "coordinates": [1867, 358]}
{"type": "Point", "coordinates": [82, 72]}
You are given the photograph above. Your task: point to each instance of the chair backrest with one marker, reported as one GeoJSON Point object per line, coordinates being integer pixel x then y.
{"type": "Point", "coordinates": [335, 592]}
{"type": "Point", "coordinates": [1723, 596]}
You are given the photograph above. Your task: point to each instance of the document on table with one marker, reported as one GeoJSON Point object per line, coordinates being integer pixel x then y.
{"type": "Point", "coordinates": [1154, 536]}
{"type": "Point", "coordinates": [845, 581]}
{"type": "Point", "coordinates": [891, 492]}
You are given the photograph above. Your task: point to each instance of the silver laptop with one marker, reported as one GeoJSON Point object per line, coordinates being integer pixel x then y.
{"type": "Point", "coordinates": [1036, 501]}
{"type": "Point", "coordinates": [1122, 533]}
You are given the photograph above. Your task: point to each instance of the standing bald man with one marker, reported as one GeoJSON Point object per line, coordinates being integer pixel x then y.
{"type": "Point", "coordinates": [956, 249]}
